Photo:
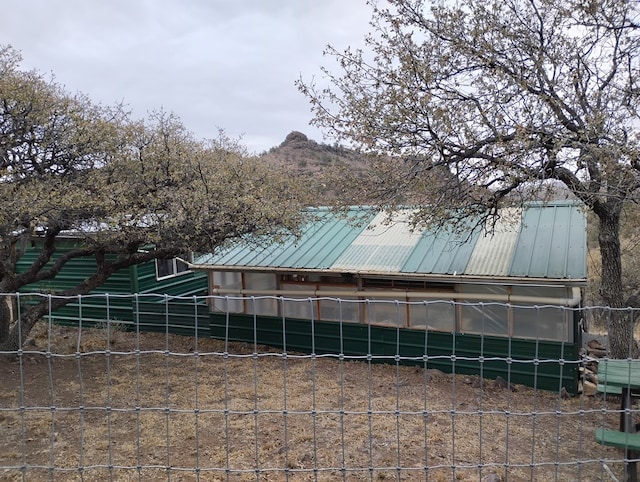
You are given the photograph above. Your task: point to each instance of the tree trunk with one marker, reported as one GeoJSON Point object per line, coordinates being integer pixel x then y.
{"type": "Point", "coordinates": [6, 316]}
{"type": "Point", "coordinates": [620, 324]}
{"type": "Point", "coordinates": [20, 330]}
{"type": "Point", "coordinates": [14, 340]}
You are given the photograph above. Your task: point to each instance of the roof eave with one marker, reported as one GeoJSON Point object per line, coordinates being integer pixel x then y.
{"type": "Point", "coordinates": [433, 277]}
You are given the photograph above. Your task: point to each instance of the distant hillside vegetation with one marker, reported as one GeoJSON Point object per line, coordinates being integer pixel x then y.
{"type": "Point", "coordinates": [340, 175]}
{"type": "Point", "coordinates": [304, 156]}
{"type": "Point", "coordinates": [334, 172]}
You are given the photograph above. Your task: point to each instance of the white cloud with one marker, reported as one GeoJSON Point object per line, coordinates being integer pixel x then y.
{"type": "Point", "coordinates": [220, 63]}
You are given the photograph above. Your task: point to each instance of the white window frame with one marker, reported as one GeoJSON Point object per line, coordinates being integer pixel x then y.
{"type": "Point", "coordinates": [174, 271]}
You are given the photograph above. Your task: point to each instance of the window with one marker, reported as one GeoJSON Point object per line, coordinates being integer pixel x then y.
{"type": "Point", "coordinates": [522, 320]}
{"type": "Point", "coordinates": [325, 307]}
{"type": "Point", "coordinates": [165, 268]}
{"type": "Point", "coordinates": [228, 281]}
{"type": "Point", "coordinates": [489, 318]}
{"type": "Point", "coordinates": [414, 309]}
{"type": "Point", "coordinates": [342, 308]}
{"type": "Point", "coordinates": [463, 308]}
{"type": "Point", "coordinates": [261, 305]}
{"type": "Point", "coordinates": [433, 314]}
{"type": "Point", "coordinates": [386, 312]}
{"type": "Point", "coordinates": [544, 322]}
{"type": "Point", "coordinates": [301, 307]}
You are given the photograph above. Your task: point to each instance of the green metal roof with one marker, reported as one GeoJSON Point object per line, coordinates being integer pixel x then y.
{"type": "Point", "coordinates": [323, 240]}
{"type": "Point", "coordinates": [552, 242]}
{"type": "Point", "coordinates": [538, 241]}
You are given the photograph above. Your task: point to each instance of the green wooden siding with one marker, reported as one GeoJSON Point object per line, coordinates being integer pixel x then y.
{"type": "Point", "coordinates": [116, 306]}
{"type": "Point", "coordinates": [192, 283]}
{"type": "Point", "coordinates": [178, 317]}
{"type": "Point", "coordinates": [446, 351]}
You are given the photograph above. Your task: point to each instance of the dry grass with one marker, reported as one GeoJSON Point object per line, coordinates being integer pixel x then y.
{"type": "Point", "coordinates": [131, 416]}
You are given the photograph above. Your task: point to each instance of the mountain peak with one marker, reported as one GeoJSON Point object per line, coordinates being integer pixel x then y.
{"type": "Point", "coordinates": [295, 137]}
{"type": "Point", "coordinates": [305, 155]}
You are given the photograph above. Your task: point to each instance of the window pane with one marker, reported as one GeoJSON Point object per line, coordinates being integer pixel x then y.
{"type": "Point", "coordinates": [181, 266]}
{"type": "Point", "coordinates": [261, 305]}
{"type": "Point", "coordinates": [164, 267]}
{"type": "Point", "coordinates": [490, 318]}
{"type": "Point", "coordinates": [547, 323]}
{"type": "Point", "coordinates": [435, 315]}
{"type": "Point", "coordinates": [299, 308]}
{"type": "Point", "coordinates": [228, 281]}
{"type": "Point", "coordinates": [333, 309]}
{"type": "Point", "coordinates": [487, 318]}
{"type": "Point", "coordinates": [387, 312]}
{"type": "Point", "coordinates": [170, 267]}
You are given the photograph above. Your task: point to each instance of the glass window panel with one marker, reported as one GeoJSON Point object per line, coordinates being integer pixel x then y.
{"type": "Point", "coordinates": [345, 309]}
{"type": "Point", "coordinates": [546, 323]}
{"type": "Point", "coordinates": [164, 267]}
{"type": "Point", "coordinates": [260, 281]}
{"type": "Point", "coordinates": [434, 315]}
{"type": "Point", "coordinates": [170, 267]}
{"type": "Point", "coordinates": [486, 318]}
{"type": "Point", "coordinates": [490, 318]}
{"type": "Point", "coordinates": [228, 280]}
{"type": "Point", "coordinates": [301, 307]}
{"type": "Point", "coordinates": [181, 266]}
{"type": "Point", "coordinates": [261, 305]}
{"type": "Point", "coordinates": [228, 303]}
{"type": "Point", "coordinates": [544, 291]}
{"type": "Point", "coordinates": [387, 312]}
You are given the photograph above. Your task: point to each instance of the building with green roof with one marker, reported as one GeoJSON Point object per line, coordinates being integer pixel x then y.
{"type": "Point", "coordinates": [505, 302]}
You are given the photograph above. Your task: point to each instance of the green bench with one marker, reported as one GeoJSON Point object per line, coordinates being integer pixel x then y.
{"type": "Point", "coordinates": [609, 389]}
{"type": "Point", "coordinates": [621, 378]}
{"type": "Point", "coordinates": [615, 438]}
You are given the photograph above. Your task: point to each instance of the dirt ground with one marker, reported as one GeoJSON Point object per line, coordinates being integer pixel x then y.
{"type": "Point", "coordinates": [110, 405]}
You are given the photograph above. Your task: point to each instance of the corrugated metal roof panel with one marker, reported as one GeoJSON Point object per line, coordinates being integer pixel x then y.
{"type": "Point", "coordinates": [441, 253]}
{"type": "Point", "coordinates": [552, 243]}
{"type": "Point", "coordinates": [322, 241]}
{"type": "Point", "coordinates": [493, 251]}
{"type": "Point", "coordinates": [382, 246]}
{"type": "Point", "coordinates": [549, 242]}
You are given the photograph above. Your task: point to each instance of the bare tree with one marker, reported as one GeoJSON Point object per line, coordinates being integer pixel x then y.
{"type": "Point", "coordinates": [509, 96]}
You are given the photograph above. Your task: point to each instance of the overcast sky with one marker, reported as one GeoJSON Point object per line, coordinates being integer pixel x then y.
{"type": "Point", "coordinates": [227, 64]}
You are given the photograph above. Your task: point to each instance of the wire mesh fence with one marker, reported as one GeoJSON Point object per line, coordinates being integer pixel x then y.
{"type": "Point", "coordinates": [158, 394]}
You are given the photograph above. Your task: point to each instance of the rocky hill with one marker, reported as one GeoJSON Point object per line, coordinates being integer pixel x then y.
{"type": "Point", "coordinates": [304, 156]}
{"type": "Point", "coordinates": [307, 158]}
